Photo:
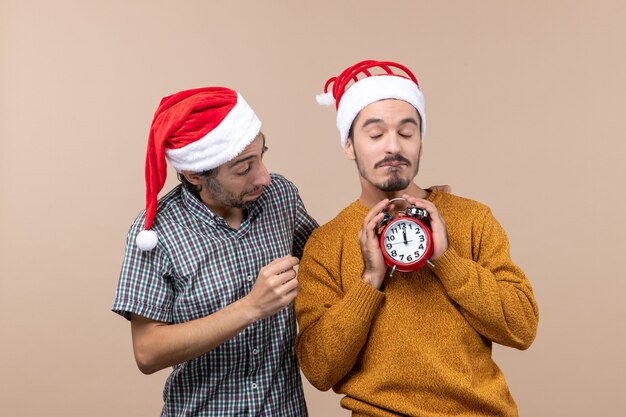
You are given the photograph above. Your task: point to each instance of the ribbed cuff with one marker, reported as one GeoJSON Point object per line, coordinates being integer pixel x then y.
{"type": "Point", "coordinates": [363, 300]}
{"type": "Point", "coordinates": [450, 269]}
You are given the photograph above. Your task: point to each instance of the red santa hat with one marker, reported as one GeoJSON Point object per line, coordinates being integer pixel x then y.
{"type": "Point", "coordinates": [372, 81]}
{"type": "Point", "coordinates": [196, 130]}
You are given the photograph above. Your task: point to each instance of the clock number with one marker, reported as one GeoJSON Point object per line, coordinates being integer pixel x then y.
{"type": "Point", "coordinates": [388, 245]}
{"type": "Point", "coordinates": [394, 253]}
{"type": "Point", "coordinates": [417, 254]}
{"type": "Point", "coordinates": [422, 238]}
{"type": "Point", "coordinates": [391, 237]}
{"type": "Point", "coordinates": [409, 258]}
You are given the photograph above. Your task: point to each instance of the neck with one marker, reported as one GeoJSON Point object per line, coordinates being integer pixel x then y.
{"type": "Point", "coordinates": [371, 195]}
{"type": "Point", "coordinates": [232, 215]}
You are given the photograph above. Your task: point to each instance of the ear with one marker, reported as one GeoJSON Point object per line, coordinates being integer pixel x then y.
{"type": "Point", "coordinates": [349, 149]}
{"type": "Point", "coordinates": [192, 177]}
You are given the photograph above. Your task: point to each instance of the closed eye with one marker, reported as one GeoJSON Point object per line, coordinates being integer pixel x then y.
{"type": "Point", "coordinates": [246, 171]}
{"type": "Point", "coordinates": [407, 133]}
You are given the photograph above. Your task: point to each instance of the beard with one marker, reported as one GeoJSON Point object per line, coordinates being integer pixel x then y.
{"type": "Point", "coordinates": [395, 182]}
{"type": "Point", "coordinates": [228, 198]}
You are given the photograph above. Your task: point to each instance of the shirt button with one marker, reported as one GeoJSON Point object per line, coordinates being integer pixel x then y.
{"type": "Point", "coordinates": [255, 351]}
{"type": "Point", "coordinates": [249, 277]}
{"type": "Point", "coordinates": [254, 385]}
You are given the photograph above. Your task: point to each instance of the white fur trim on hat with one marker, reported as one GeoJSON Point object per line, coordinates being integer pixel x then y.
{"type": "Point", "coordinates": [375, 88]}
{"type": "Point", "coordinates": [220, 145]}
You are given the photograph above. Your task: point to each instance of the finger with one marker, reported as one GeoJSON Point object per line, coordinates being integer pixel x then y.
{"type": "Point", "coordinates": [289, 286]}
{"type": "Point", "coordinates": [375, 220]}
{"type": "Point", "coordinates": [376, 210]}
{"type": "Point", "coordinates": [288, 261]}
{"type": "Point", "coordinates": [441, 188]}
{"type": "Point", "coordinates": [282, 264]}
{"type": "Point", "coordinates": [286, 276]}
{"type": "Point", "coordinates": [369, 229]}
{"type": "Point", "coordinates": [281, 278]}
{"type": "Point", "coordinates": [288, 297]}
{"type": "Point", "coordinates": [411, 199]}
{"type": "Point", "coordinates": [420, 202]}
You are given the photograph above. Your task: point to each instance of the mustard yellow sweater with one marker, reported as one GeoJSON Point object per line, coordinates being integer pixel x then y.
{"type": "Point", "coordinates": [421, 346]}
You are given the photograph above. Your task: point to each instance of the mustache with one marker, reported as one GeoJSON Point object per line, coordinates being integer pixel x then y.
{"type": "Point", "coordinates": [392, 158]}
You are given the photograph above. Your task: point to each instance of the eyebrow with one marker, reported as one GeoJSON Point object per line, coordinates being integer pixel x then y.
{"type": "Point", "coordinates": [247, 158]}
{"type": "Point", "coordinates": [242, 160]}
{"type": "Point", "coordinates": [403, 121]}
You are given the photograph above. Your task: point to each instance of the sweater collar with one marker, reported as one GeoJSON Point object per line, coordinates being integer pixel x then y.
{"type": "Point", "coordinates": [433, 197]}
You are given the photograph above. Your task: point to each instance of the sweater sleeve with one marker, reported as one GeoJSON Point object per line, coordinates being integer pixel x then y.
{"type": "Point", "coordinates": [333, 323]}
{"type": "Point", "coordinates": [492, 293]}
{"type": "Point", "coordinates": [303, 227]}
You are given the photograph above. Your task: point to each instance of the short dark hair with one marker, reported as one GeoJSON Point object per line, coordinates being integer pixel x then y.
{"type": "Point", "coordinates": [195, 189]}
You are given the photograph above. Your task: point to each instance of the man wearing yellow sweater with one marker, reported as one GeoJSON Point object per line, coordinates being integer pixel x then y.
{"type": "Point", "coordinates": [406, 344]}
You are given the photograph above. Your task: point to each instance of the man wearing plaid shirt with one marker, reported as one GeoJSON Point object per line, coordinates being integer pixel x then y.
{"type": "Point", "coordinates": [208, 276]}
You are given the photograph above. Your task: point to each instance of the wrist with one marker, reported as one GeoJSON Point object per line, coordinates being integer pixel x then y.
{"type": "Point", "coordinates": [438, 254]}
{"type": "Point", "coordinates": [247, 310]}
{"type": "Point", "coordinates": [373, 279]}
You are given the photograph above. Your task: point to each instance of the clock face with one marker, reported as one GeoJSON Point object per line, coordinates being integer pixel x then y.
{"type": "Point", "coordinates": [405, 241]}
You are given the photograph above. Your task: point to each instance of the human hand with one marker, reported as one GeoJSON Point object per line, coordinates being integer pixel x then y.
{"type": "Point", "coordinates": [441, 188]}
{"type": "Point", "coordinates": [437, 225]}
{"type": "Point", "coordinates": [375, 267]}
{"type": "Point", "coordinates": [275, 287]}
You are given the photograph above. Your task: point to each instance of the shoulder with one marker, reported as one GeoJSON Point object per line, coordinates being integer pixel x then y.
{"type": "Point", "coordinates": [280, 188]}
{"type": "Point", "coordinates": [466, 217]}
{"type": "Point", "coordinates": [348, 220]}
{"type": "Point", "coordinates": [450, 205]}
{"type": "Point", "coordinates": [279, 193]}
{"type": "Point", "coordinates": [169, 208]}
{"type": "Point", "coordinates": [279, 182]}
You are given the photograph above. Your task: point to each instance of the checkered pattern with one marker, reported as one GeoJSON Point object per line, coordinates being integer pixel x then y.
{"type": "Point", "coordinates": [199, 267]}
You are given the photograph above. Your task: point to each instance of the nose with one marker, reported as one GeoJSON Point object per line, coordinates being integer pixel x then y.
{"type": "Point", "coordinates": [392, 145]}
{"type": "Point", "coordinates": [263, 177]}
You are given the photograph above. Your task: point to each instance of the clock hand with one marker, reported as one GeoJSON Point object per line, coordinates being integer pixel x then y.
{"type": "Point", "coordinates": [401, 242]}
{"type": "Point", "coordinates": [404, 234]}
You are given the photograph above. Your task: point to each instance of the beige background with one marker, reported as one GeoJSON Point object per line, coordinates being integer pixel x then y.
{"type": "Point", "coordinates": [525, 104]}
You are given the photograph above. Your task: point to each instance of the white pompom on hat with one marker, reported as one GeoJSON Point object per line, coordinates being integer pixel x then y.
{"type": "Point", "coordinates": [368, 87]}
{"type": "Point", "coordinates": [196, 130]}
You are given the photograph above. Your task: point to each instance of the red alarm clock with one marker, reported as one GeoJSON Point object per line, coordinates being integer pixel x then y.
{"type": "Point", "coordinates": [405, 239]}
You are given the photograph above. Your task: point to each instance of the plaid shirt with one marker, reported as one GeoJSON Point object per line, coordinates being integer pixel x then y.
{"type": "Point", "coordinates": [200, 266]}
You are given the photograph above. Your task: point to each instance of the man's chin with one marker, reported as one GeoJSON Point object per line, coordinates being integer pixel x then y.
{"type": "Point", "coordinates": [394, 185]}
